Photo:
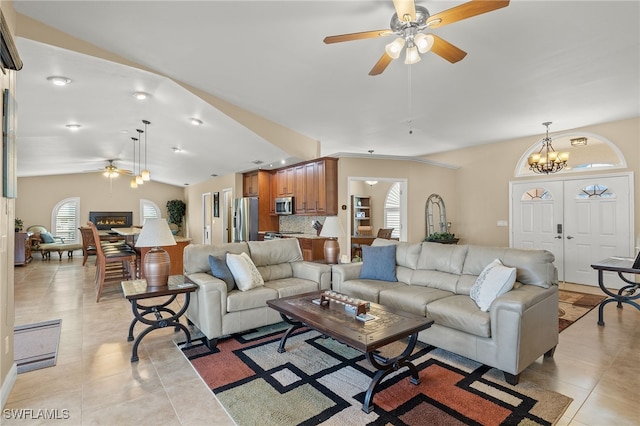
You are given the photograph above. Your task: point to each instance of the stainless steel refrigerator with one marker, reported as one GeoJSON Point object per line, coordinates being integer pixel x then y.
{"type": "Point", "coordinates": [245, 219]}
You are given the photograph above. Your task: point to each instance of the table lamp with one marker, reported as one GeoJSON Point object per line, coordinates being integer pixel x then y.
{"type": "Point", "coordinates": [157, 263]}
{"type": "Point", "coordinates": [332, 229]}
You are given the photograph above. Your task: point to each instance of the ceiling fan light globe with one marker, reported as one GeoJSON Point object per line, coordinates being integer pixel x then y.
{"type": "Point", "coordinates": [412, 56]}
{"type": "Point", "coordinates": [394, 48]}
{"type": "Point", "coordinates": [423, 42]}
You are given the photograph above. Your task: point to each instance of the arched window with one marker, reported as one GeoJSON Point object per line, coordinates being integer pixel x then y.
{"type": "Point", "coordinates": [65, 219]}
{"type": "Point", "coordinates": [595, 191]}
{"type": "Point", "coordinates": [392, 210]}
{"type": "Point", "coordinates": [536, 194]}
{"type": "Point", "coordinates": [148, 210]}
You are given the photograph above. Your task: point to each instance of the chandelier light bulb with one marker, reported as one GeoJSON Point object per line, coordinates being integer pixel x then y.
{"type": "Point", "coordinates": [423, 42]}
{"type": "Point", "coordinates": [413, 57]}
{"type": "Point", "coordinates": [394, 48]}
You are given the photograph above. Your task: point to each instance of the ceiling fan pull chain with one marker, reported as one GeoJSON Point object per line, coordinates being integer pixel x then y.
{"type": "Point", "coordinates": [409, 101]}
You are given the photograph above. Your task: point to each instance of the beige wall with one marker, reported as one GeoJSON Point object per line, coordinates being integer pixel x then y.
{"type": "Point", "coordinates": [37, 196]}
{"type": "Point", "coordinates": [7, 237]}
{"type": "Point", "coordinates": [482, 182]}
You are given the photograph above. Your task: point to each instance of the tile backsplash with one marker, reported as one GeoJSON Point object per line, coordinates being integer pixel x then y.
{"type": "Point", "coordinates": [303, 224]}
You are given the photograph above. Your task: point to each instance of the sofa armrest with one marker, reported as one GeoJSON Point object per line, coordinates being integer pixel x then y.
{"type": "Point", "coordinates": [344, 272]}
{"type": "Point", "coordinates": [208, 304]}
{"type": "Point", "coordinates": [316, 272]}
{"type": "Point", "coordinates": [524, 322]}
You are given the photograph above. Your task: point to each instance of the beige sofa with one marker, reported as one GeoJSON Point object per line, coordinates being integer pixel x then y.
{"type": "Point", "coordinates": [435, 280]}
{"type": "Point", "coordinates": [218, 312]}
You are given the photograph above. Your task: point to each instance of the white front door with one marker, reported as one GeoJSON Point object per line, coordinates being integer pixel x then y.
{"type": "Point", "coordinates": [537, 220]}
{"type": "Point", "coordinates": [597, 225]}
{"type": "Point", "coordinates": [581, 221]}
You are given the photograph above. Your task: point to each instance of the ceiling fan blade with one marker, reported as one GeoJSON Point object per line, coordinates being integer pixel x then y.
{"type": "Point", "coordinates": [405, 9]}
{"type": "Point", "coordinates": [464, 11]}
{"type": "Point", "coordinates": [447, 50]}
{"type": "Point", "coordinates": [356, 36]}
{"type": "Point", "coordinates": [381, 65]}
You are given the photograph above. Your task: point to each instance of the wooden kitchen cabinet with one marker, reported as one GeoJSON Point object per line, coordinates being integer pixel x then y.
{"type": "Point", "coordinates": [250, 184]}
{"type": "Point", "coordinates": [258, 184]}
{"type": "Point", "coordinates": [317, 187]}
{"type": "Point", "coordinates": [285, 182]}
{"type": "Point", "coordinates": [312, 248]}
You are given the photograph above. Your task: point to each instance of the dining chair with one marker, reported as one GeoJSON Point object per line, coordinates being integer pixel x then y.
{"type": "Point", "coordinates": [115, 262]}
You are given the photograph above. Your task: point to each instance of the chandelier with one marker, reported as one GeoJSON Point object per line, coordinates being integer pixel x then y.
{"type": "Point", "coordinates": [547, 160]}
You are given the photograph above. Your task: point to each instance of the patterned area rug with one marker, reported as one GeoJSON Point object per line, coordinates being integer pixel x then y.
{"type": "Point", "coordinates": [574, 305]}
{"type": "Point", "coordinates": [35, 346]}
{"type": "Point", "coordinates": [318, 380]}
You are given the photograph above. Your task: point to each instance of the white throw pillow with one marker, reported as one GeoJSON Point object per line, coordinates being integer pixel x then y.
{"type": "Point", "coordinates": [244, 271]}
{"type": "Point", "coordinates": [495, 280]}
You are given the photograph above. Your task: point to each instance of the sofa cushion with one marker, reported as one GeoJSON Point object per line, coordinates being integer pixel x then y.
{"type": "Point", "coordinates": [367, 289]}
{"type": "Point", "coordinates": [413, 299]}
{"type": "Point", "coordinates": [495, 280]}
{"type": "Point", "coordinates": [254, 298]}
{"type": "Point", "coordinates": [275, 252]}
{"type": "Point", "coordinates": [442, 257]}
{"type": "Point", "coordinates": [292, 286]}
{"type": "Point", "coordinates": [379, 263]}
{"type": "Point", "coordinates": [406, 253]}
{"type": "Point", "coordinates": [219, 269]}
{"type": "Point", "coordinates": [461, 313]}
{"type": "Point", "coordinates": [436, 279]}
{"type": "Point", "coordinates": [244, 271]}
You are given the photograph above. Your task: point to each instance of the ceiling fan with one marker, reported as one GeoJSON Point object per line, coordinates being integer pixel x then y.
{"type": "Point", "coordinates": [111, 171]}
{"type": "Point", "coordinates": [409, 22]}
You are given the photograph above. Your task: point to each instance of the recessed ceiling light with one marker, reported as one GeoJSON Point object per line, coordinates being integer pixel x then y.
{"type": "Point", "coordinates": [59, 80]}
{"type": "Point", "coordinates": [176, 149]}
{"type": "Point", "coordinates": [73, 126]}
{"type": "Point", "coordinates": [141, 96]}
{"type": "Point", "coordinates": [195, 121]}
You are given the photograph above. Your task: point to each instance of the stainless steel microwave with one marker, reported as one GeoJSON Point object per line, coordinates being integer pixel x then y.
{"type": "Point", "coordinates": [284, 205]}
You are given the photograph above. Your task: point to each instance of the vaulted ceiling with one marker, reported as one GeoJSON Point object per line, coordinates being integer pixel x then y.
{"type": "Point", "coordinates": [575, 63]}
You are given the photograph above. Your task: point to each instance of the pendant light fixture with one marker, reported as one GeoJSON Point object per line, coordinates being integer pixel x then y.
{"type": "Point", "coordinates": [134, 183]}
{"type": "Point", "coordinates": [547, 160]}
{"type": "Point", "coordinates": [139, 179]}
{"type": "Point", "coordinates": [146, 174]}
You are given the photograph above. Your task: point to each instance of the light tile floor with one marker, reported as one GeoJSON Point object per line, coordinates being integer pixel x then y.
{"type": "Point", "coordinates": [96, 382]}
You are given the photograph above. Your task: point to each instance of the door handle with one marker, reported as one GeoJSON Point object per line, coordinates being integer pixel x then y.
{"type": "Point", "coordinates": [559, 237]}
{"type": "Point", "coordinates": [569, 237]}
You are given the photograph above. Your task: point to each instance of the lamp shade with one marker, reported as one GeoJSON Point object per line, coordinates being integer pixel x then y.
{"type": "Point", "coordinates": [155, 233]}
{"type": "Point", "coordinates": [332, 228]}
{"type": "Point", "coordinates": [157, 263]}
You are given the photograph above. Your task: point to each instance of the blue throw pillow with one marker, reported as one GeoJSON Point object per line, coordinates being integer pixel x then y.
{"type": "Point", "coordinates": [47, 238]}
{"type": "Point", "coordinates": [219, 269]}
{"type": "Point", "coordinates": [379, 263]}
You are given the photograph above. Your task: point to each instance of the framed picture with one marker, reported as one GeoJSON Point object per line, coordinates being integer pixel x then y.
{"type": "Point", "coordinates": [9, 163]}
{"type": "Point", "coordinates": [216, 204]}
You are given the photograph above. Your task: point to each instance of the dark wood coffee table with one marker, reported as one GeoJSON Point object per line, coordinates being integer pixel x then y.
{"type": "Point", "coordinates": [390, 326]}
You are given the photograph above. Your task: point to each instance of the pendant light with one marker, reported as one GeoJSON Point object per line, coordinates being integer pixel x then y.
{"type": "Point", "coordinates": [134, 183]}
{"type": "Point", "coordinates": [146, 174]}
{"type": "Point", "coordinates": [139, 179]}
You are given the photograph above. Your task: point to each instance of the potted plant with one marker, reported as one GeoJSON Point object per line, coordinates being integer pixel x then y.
{"type": "Point", "coordinates": [18, 224]}
{"type": "Point", "coordinates": [442, 237]}
{"type": "Point", "coordinates": [177, 210]}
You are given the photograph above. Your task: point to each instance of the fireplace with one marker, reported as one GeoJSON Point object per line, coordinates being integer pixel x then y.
{"type": "Point", "coordinates": [108, 220]}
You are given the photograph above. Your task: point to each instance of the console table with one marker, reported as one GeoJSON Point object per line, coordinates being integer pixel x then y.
{"type": "Point", "coordinates": [627, 294]}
